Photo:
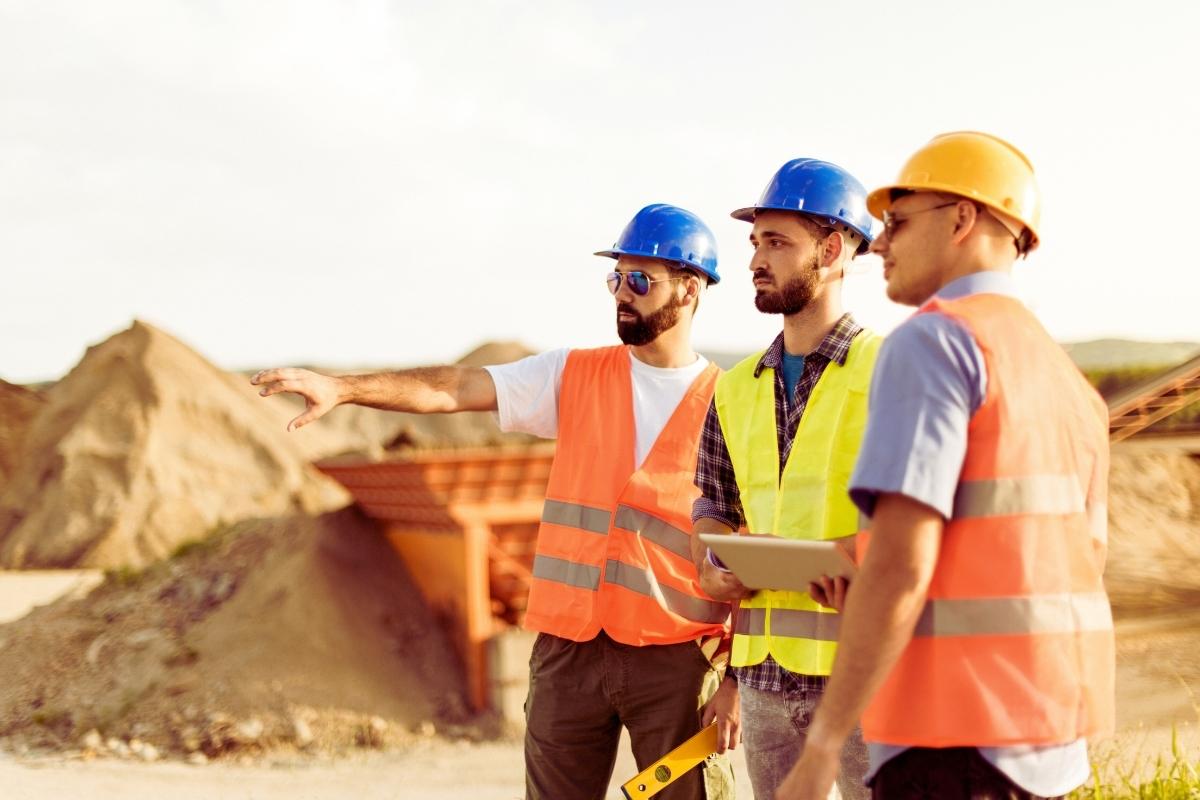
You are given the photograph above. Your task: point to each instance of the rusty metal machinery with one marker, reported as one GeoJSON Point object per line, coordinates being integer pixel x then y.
{"type": "Point", "coordinates": [465, 523]}
{"type": "Point", "coordinates": [1141, 406]}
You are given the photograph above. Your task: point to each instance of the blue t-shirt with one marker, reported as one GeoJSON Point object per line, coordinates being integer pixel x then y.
{"type": "Point", "coordinates": [929, 380]}
{"type": "Point", "coordinates": [792, 368]}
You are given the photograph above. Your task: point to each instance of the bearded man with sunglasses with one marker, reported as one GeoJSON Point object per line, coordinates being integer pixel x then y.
{"type": "Point", "coordinates": [778, 446]}
{"type": "Point", "coordinates": [625, 634]}
{"type": "Point", "coordinates": [981, 659]}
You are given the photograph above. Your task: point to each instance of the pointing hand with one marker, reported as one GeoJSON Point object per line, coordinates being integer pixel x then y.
{"type": "Point", "coordinates": [320, 392]}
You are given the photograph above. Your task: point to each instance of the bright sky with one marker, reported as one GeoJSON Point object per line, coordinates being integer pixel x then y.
{"type": "Point", "coordinates": [381, 183]}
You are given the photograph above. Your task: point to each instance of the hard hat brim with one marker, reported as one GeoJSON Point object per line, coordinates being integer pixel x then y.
{"type": "Point", "coordinates": [880, 200]}
{"type": "Point", "coordinates": [748, 214]}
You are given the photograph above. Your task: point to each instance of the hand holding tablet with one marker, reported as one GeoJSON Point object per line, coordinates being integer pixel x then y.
{"type": "Point", "coordinates": [770, 562]}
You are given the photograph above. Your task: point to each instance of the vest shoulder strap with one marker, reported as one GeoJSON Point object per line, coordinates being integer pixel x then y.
{"type": "Point", "coordinates": [861, 358]}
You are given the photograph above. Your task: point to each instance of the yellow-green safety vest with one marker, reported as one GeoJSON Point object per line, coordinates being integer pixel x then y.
{"type": "Point", "coordinates": [809, 501]}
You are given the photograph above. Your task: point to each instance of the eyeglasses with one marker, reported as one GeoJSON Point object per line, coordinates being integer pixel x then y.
{"type": "Point", "coordinates": [638, 282]}
{"type": "Point", "coordinates": [892, 222]}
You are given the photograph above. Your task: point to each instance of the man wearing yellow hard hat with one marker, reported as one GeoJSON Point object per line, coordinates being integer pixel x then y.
{"type": "Point", "coordinates": [981, 660]}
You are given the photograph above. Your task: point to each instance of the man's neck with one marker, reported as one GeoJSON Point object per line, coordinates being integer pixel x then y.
{"type": "Point", "coordinates": [804, 332]}
{"type": "Point", "coordinates": [671, 350]}
{"type": "Point", "coordinates": [972, 268]}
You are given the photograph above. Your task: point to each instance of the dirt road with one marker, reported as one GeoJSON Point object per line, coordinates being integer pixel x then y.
{"type": "Point", "coordinates": [432, 771]}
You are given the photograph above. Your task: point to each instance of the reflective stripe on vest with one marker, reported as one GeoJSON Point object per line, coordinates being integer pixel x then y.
{"type": "Point", "coordinates": [788, 622]}
{"type": "Point", "coordinates": [586, 576]}
{"type": "Point", "coordinates": [655, 530]}
{"type": "Point", "coordinates": [1037, 494]}
{"type": "Point", "coordinates": [560, 570]}
{"type": "Point", "coordinates": [1097, 514]}
{"type": "Point", "coordinates": [1011, 616]}
{"type": "Point", "coordinates": [575, 515]}
{"type": "Point", "coordinates": [639, 580]}
{"type": "Point", "coordinates": [595, 520]}
{"type": "Point", "coordinates": [808, 501]}
{"type": "Point", "coordinates": [1040, 494]}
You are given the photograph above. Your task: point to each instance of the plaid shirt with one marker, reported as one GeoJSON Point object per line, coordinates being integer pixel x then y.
{"type": "Point", "coordinates": [719, 497]}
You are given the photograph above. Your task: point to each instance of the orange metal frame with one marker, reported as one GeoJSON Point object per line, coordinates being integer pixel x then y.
{"type": "Point", "coordinates": [1156, 399]}
{"type": "Point", "coordinates": [465, 523]}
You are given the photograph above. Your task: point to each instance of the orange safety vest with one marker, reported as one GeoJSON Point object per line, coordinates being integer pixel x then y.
{"type": "Point", "coordinates": [1015, 643]}
{"type": "Point", "coordinates": [614, 546]}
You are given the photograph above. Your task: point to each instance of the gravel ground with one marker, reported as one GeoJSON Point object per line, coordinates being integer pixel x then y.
{"type": "Point", "coordinates": [433, 770]}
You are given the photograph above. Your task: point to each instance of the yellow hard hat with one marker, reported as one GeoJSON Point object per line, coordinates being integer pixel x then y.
{"type": "Point", "coordinates": [978, 166]}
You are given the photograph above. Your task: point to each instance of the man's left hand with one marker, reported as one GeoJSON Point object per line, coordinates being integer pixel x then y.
{"type": "Point", "coordinates": [726, 709]}
{"type": "Point", "coordinates": [812, 777]}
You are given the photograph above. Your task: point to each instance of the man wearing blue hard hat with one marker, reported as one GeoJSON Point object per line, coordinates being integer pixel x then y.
{"type": "Point", "coordinates": [626, 637]}
{"type": "Point", "coordinates": [778, 446]}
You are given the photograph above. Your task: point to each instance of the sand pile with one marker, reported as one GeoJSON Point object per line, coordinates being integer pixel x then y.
{"type": "Point", "coordinates": [292, 633]}
{"type": "Point", "coordinates": [1154, 530]}
{"type": "Point", "coordinates": [146, 445]}
{"type": "Point", "coordinates": [18, 407]}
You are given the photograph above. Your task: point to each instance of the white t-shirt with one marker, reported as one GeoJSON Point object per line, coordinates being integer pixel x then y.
{"type": "Point", "coordinates": [527, 395]}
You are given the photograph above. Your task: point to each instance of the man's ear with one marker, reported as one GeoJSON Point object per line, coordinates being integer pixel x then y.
{"type": "Point", "coordinates": [966, 217]}
{"type": "Point", "coordinates": [832, 249]}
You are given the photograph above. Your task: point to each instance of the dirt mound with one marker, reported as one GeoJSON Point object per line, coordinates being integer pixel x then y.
{"type": "Point", "coordinates": [1154, 530]}
{"type": "Point", "coordinates": [300, 633]}
{"type": "Point", "coordinates": [18, 407]}
{"type": "Point", "coordinates": [145, 445]}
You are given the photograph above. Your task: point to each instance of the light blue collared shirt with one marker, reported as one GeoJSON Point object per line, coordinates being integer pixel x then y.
{"type": "Point", "coordinates": [929, 380]}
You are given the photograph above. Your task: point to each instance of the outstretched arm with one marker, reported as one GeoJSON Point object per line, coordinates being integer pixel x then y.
{"type": "Point", "coordinates": [423, 390]}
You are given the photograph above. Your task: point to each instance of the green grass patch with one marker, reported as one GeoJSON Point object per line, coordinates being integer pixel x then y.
{"type": "Point", "coordinates": [124, 576]}
{"type": "Point", "coordinates": [209, 542]}
{"type": "Point", "coordinates": [1173, 777]}
{"type": "Point", "coordinates": [193, 547]}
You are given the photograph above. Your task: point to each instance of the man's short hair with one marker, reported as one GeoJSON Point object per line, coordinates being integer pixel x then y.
{"type": "Point", "coordinates": [850, 239]}
{"type": "Point", "coordinates": [680, 270]}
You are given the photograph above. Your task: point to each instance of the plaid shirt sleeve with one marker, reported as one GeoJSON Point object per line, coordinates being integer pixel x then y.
{"type": "Point", "coordinates": [719, 497]}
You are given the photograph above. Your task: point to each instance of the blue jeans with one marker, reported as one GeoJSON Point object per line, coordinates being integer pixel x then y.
{"type": "Point", "coordinates": [774, 726]}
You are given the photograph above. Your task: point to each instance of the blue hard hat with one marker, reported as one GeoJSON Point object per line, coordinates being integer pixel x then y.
{"type": "Point", "coordinates": [819, 189]}
{"type": "Point", "coordinates": [671, 234]}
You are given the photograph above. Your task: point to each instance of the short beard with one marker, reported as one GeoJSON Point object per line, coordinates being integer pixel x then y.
{"type": "Point", "coordinates": [644, 330]}
{"type": "Point", "coordinates": [794, 296]}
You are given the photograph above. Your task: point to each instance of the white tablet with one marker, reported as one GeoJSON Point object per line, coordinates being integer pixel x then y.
{"type": "Point", "coordinates": [770, 562]}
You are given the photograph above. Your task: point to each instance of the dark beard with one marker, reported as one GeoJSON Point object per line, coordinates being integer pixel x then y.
{"type": "Point", "coordinates": [791, 298]}
{"type": "Point", "coordinates": [644, 330]}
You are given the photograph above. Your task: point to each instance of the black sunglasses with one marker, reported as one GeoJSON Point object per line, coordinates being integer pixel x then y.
{"type": "Point", "coordinates": [638, 282]}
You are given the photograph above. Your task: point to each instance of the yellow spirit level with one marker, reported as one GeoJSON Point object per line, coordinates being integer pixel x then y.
{"type": "Point", "coordinates": [672, 766]}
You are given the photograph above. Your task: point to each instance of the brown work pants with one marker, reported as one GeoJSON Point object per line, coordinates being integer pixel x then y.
{"type": "Point", "coordinates": [582, 693]}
